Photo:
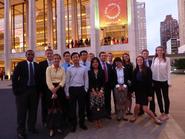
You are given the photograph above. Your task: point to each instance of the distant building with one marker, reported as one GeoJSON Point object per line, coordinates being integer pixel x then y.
{"type": "Point", "coordinates": [172, 46]}
{"type": "Point", "coordinates": [140, 26]}
{"type": "Point", "coordinates": [181, 11]}
{"type": "Point", "coordinates": [181, 49]}
{"type": "Point", "coordinates": [169, 29]}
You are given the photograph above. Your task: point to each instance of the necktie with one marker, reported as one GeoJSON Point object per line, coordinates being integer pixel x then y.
{"type": "Point", "coordinates": [68, 65]}
{"type": "Point", "coordinates": [49, 63]}
{"type": "Point", "coordinates": [105, 72]}
{"type": "Point", "coordinates": [31, 78]}
{"type": "Point", "coordinates": [84, 64]}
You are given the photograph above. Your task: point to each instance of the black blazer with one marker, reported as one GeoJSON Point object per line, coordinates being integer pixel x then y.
{"type": "Point", "coordinates": [20, 77]}
{"type": "Point", "coordinates": [96, 82]}
{"type": "Point", "coordinates": [115, 79]}
{"type": "Point", "coordinates": [149, 62]}
{"type": "Point", "coordinates": [42, 75]}
{"type": "Point", "coordinates": [109, 70]}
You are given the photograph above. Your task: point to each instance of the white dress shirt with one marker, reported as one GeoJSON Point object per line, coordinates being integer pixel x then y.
{"type": "Point", "coordinates": [120, 77]}
{"type": "Point", "coordinates": [161, 70]}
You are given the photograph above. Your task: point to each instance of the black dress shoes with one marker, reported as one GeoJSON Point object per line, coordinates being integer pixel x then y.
{"type": "Point", "coordinates": [84, 127]}
{"type": "Point", "coordinates": [108, 117]}
{"type": "Point", "coordinates": [34, 131]}
{"type": "Point", "coordinates": [73, 129]}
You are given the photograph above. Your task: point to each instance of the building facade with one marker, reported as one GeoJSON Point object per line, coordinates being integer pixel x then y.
{"type": "Point", "coordinates": [181, 13]}
{"type": "Point", "coordinates": [140, 26]}
{"type": "Point", "coordinates": [169, 28]}
{"type": "Point", "coordinates": [73, 25]}
{"type": "Point", "coordinates": [172, 46]}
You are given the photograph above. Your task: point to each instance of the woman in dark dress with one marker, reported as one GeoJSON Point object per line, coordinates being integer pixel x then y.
{"type": "Point", "coordinates": [142, 86]}
{"type": "Point", "coordinates": [96, 83]}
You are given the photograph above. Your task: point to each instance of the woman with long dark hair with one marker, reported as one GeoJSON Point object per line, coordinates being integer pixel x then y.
{"type": "Point", "coordinates": [161, 80]}
{"type": "Point", "coordinates": [142, 86]}
{"type": "Point", "coordinates": [96, 90]}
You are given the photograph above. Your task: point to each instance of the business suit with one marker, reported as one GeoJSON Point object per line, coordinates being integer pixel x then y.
{"type": "Point", "coordinates": [108, 86]}
{"type": "Point", "coordinates": [44, 90]}
{"type": "Point", "coordinates": [26, 96]}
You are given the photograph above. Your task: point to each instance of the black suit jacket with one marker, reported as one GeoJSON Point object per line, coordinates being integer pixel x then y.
{"type": "Point", "coordinates": [109, 70]}
{"type": "Point", "coordinates": [42, 75]}
{"type": "Point", "coordinates": [115, 79]}
{"type": "Point", "coordinates": [21, 76]}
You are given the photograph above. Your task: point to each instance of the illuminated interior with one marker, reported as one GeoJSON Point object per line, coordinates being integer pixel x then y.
{"type": "Point", "coordinates": [113, 22]}
{"type": "Point", "coordinates": [77, 23]}
{"type": "Point", "coordinates": [1, 30]}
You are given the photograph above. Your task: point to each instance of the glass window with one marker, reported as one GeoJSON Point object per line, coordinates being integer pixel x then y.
{"type": "Point", "coordinates": [77, 23]}
{"type": "Point", "coordinates": [41, 24]}
{"type": "Point", "coordinates": [18, 28]}
{"type": "Point", "coordinates": [54, 24]}
{"type": "Point", "coordinates": [1, 30]}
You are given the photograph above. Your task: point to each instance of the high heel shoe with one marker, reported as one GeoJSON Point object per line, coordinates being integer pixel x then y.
{"type": "Point", "coordinates": [51, 133]}
{"type": "Point", "coordinates": [133, 119]}
{"type": "Point", "coordinates": [158, 121]}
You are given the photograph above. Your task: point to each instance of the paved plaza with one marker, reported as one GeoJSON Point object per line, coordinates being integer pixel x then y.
{"type": "Point", "coordinates": [143, 128]}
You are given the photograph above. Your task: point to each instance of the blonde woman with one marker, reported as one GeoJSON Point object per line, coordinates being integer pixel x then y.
{"type": "Point", "coordinates": [55, 79]}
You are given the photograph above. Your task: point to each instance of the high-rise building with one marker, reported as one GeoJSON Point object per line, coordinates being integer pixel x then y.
{"type": "Point", "coordinates": [169, 29]}
{"type": "Point", "coordinates": [181, 12]}
{"type": "Point", "coordinates": [140, 26]}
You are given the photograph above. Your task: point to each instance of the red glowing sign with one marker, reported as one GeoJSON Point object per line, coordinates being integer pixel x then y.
{"type": "Point", "coordinates": [113, 12]}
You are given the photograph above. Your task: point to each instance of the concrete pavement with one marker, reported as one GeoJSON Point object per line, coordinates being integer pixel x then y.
{"type": "Point", "coordinates": [143, 128]}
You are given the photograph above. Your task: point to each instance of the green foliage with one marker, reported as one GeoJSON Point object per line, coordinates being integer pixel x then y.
{"type": "Point", "coordinates": [180, 63]}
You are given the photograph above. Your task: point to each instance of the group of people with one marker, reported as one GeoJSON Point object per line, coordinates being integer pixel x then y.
{"type": "Point", "coordinates": [89, 82]}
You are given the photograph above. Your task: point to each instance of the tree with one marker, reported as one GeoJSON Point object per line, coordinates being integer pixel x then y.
{"type": "Point", "coordinates": [179, 63]}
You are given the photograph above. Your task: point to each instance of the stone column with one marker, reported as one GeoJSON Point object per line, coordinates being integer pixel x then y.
{"type": "Point", "coordinates": [32, 25]}
{"type": "Point", "coordinates": [61, 41]}
{"type": "Point", "coordinates": [50, 23]}
{"type": "Point", "coordinates": [94, 22]}
{"type": "Point", "coordinates": [7, 37]}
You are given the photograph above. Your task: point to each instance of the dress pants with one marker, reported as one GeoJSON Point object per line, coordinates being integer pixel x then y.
{"type": "Point", "coordinates": [107, 91]}
{"type": "Point", "coordinates": [44, 104]}
{"type": "Point", "coordinates": [161, 90]}
{"type": "Point", "coordinates": [27, 105]}
{"type": "Point", "coordinates": [77, 95]}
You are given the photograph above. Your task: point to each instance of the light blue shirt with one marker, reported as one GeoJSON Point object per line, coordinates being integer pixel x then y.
{"type": "Point", "coordinates": [76, 77]}
{"type": "Point", "coordinates": [66, 65]}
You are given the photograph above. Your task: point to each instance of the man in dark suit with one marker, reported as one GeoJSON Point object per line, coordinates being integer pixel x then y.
{"type": "Point", "coordinates": [43, 86]}
{"type": "Point", "coordinates": [148, 63]}
{"type": "Point", "coordinates": [108, 85]}
{"type": "Point", "coordinates": [25, 88]}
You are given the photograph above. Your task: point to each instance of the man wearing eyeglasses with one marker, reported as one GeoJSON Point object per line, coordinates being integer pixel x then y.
{"type": "Point", "coordinates": [25, 88]}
